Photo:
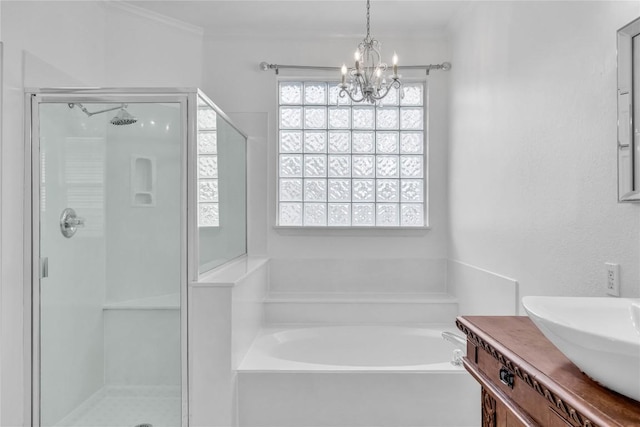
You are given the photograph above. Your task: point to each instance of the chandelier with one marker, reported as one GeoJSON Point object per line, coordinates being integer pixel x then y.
{"type": "Point", "coordinates": [367, 80]}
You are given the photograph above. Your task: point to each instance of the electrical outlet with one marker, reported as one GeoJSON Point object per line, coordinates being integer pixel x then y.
{"type": "Point", "coordinates": [613, 279]}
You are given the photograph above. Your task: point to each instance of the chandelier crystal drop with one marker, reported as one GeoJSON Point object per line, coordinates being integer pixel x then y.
{"type": "Point", "coordinates": [367, 81]}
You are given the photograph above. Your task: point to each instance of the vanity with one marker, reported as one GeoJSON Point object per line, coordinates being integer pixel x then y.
{"type": "Point", "coordinates": [527, 381]}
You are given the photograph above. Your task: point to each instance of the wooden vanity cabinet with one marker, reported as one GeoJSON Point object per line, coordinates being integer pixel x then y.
{"type": "Point", "coordinates": [527, 381]}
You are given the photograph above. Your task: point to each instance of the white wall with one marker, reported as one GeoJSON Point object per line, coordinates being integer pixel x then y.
{"type": "Point", "coordinates": [49, 44]}
{"type": "Point", "coordinates": [226, 70]}
{"type": "Point", "coordinates": [532, 172]}
{"type": "Point", "coordinates": [143, 49]}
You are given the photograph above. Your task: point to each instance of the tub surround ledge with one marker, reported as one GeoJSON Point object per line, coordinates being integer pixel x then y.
{"type": "Point", "coordinates": [231, 273]}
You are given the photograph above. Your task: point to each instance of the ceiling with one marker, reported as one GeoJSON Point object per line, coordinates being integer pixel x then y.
{"type": "Point", "coordinates": [329, 18]}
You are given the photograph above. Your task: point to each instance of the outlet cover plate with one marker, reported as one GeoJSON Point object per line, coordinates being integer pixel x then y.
{"type": "Point", "coordinates": [612, 279]}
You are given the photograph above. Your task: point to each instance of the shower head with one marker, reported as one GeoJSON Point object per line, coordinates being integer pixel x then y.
{"type": "Point", "coordinates": [123, 118]}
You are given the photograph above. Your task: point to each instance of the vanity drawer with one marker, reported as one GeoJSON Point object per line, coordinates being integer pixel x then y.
{"type": "Point", "coordinates": [513, 387]}
{"type": "Point", "coordinates": [520, 393]}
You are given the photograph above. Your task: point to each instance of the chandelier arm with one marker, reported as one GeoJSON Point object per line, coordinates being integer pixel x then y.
{"type": "Point", "coordinates": [372, 96]}
{"type": "Point", "coordinates": [394, 84]}
{"type": "Point", "coordinates": [344, 91]}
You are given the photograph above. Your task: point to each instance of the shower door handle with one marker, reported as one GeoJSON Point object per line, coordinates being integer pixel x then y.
{"type": "Point", "coordinates": [44, 270]}
{"type": "Point", "coordinates": [69, 222]}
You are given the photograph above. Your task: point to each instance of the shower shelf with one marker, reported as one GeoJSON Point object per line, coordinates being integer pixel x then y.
{"type": "Point", "coordinates": [160, 302]}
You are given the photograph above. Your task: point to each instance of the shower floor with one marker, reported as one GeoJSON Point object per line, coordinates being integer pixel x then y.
{"type": "Point", "coordinates": [128, 407]}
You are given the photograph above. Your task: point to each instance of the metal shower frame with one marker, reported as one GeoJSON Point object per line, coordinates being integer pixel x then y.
{"type": "Point", "coordinates": [188, 100]}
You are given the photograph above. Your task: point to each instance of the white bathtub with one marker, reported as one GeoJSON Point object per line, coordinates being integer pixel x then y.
{"type": "Point", "coordinates": [350, 348]}
{"type": "Point", "coordinates": [354, 376]}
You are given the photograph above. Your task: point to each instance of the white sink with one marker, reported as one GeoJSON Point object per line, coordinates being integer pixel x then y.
{"type": "Point", "coordinates": [600, 335]}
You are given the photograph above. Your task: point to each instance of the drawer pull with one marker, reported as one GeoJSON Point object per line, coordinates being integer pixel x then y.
{"type": "Point", "coordinates": [506, 377]}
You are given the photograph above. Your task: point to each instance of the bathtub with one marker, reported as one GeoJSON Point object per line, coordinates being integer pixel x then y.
{"type": "Point", "coordinates": [339, 376]}
{"type": "Point", "coordinates": [350, 348]}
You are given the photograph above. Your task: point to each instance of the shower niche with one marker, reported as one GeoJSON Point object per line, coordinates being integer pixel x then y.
{"type": "Point", "coordinates": [143, 181]}
{"type": "Point", "coordinates": [156, 181]}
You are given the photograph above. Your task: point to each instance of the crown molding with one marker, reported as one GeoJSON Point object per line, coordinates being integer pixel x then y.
{"type": "Point", "coordinates": [154, 16]}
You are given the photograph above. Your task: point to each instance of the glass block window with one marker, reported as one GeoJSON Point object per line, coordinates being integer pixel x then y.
{"type": "Point", "coordinates": [345, 164]}
{"type": "Point", "coordinates": [208, 209]}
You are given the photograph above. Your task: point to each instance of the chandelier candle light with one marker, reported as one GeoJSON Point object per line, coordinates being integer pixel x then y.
{"type": "Point", "coordinates": [366, 81]}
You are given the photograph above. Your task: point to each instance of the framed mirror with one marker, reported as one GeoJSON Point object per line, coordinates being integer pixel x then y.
{"type": "Point", "coordinates": [629, 112]}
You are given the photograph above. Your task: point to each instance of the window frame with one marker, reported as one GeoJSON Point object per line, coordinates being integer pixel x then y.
{"type": "Point", "coordinates": [425, 159]}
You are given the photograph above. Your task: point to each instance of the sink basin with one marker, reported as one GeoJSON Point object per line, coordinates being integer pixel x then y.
{"type": "Point", "coordinates": [600, 335]}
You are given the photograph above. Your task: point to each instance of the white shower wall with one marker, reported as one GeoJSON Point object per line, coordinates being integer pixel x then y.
{"type": "Point", "coordinates": [143, 249]}
{"type": "Point", "coordinates": [143, 240]}
{"type": "Point", "coordinates": [142, 347]}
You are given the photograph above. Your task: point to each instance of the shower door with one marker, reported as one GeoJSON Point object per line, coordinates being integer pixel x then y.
{"type": "Point", "coordinates": [109, 231]}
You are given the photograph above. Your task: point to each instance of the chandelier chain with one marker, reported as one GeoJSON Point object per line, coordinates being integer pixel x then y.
{"type": "Point", "coordinates": [368, 25]}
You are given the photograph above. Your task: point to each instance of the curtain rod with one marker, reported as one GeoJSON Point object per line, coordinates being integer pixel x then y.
{"type": "Point", "coordinates": [264, 66]}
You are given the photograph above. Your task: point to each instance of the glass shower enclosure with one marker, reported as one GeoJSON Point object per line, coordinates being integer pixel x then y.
{"type": "Point", "coordinates": [134, 193]}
